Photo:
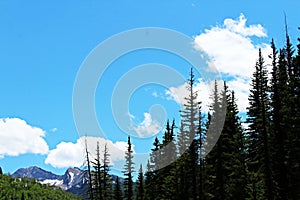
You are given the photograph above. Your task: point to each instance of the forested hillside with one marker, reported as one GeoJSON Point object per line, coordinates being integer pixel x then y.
{"type": "Point", "coordinates": [16, 188]}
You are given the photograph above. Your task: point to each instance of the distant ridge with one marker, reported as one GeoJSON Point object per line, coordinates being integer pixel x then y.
{"type": "Point", "coordinates": [74, 180]}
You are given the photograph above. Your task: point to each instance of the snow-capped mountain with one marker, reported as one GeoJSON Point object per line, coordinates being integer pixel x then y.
{"type": "Point", "coordinates": [73, 180]}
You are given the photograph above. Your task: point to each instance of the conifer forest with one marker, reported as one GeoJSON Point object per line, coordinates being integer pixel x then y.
{"type": "Point", "coordinates": [257, 159]}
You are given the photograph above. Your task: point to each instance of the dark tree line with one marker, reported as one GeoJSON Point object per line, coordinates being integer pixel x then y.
{"type": "Point", "coordinates": [258, 161]}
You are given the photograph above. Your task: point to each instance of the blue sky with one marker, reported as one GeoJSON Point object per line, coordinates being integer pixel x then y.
{"type": "Point", "coordinates": [43, 44]}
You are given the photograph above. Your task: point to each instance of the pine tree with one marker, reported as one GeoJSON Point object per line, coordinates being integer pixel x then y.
{"type": "Point", "coordinates": [97, 174]}
{"type": "Point", "coordinates": [105, 172]}
{"type": "Point", "coordinates": [168, 147]}
{"type": "Point", "coordinates": [205, 176]}
{"type": "Point", "coordinates": [201, 155]}
{"type": "Point", "coordinates": [166, 175]}
{"type": "Point", "coordinates": [285, 121]}
{"type": "Point", "coordinates": [128, 170]}
{"type": "Point", "coordinates": [152, 182]}
{"type": "Point", "coordinates": [140, 184]}
{"type": "Point", "coordinates": [182, 145]}
{"type": "Point", "coordinates": [225, 165]}
{"type": "Point", "coordinates": [279, 134]}
{"type": "Point", "coordinates": [233, 151]}
{"type": "Point", "coordinates": [149, 183]}
{"type": "Point", "coordinates": [212, 161]}
{"type": "Point", "coordinates": [1, 171]}
{"type": "Point", "coordinates": [189, 121]}
{"type": "Point", "coordinates": [259, 120]}
{"type": "Point", "coordinates": [293, 152]}
{"type": "Point", "coordinates": [90, 179]}
{"type": "Point", "coordinates": [117, 190]}
{"type": "Point", "coordinates": [295, 138]}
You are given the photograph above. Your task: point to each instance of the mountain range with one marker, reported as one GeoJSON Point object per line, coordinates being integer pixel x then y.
{"type": "Point", "coordinates": [74, 180]}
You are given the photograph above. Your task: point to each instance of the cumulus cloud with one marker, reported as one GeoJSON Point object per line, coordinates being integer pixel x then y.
{"type": "Point", "coordinates": [18, 137]}
{"type": "Point", "coordinates": [68, 154]}
{"type": "Point", "coordinates": [148, 127]}
{"type": "Point", "coordinates": [177, 94]}
{"type": "Point", "coordinates": [231, 48]}
{"type": "Point", "coordinates": [233, 52]}
{"type": "Point", "coordinates": [239, 26]}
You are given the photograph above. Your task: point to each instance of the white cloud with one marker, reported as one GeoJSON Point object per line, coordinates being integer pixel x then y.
{"type": "Point", "coordinates": [234, 53]}
{"type": "Point", "coordinates": [231, 48]}
{"type": "Point", "coordinates": [177, 94]}
{"type": "Point", "coordinates": [239, 26]}
{"type": "Point", "coordinates": [67, 154]}
{"type": "Point", "coordinates": [18, 137]}
{"type": "Point", "coordinates": [148, 127]}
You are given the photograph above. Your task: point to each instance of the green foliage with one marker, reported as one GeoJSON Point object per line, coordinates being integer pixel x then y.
{"type": "Point", "coordinates": [285, 124]}
{"type": "Point", "coordinates": [117, 190]}
{"type": "Point", "coordinates": [106, 178]}
{"type": "Point", "coordinates": [259, 132]}
{"type": "Point", "coordinates": [16, 188]}
{"type": "Point", "coordinates": [97, 175]}
{"type": "Point", "coordinates": [140, 185]}
{"type": "Point", "coordinates": [101, 179]}
{"type": "Point", "coordinates": [128, 170]}
{"type": "Point", "coordinates": [225, 169]}
{"type": "Point", "coordinates": [261, 162]}
{"type": "Point", "coordinates": [189, 122]}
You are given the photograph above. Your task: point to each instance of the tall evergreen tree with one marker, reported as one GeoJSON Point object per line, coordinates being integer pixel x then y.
{"type": "Point", "coordinates": [233, 151]}
{"type": "Point", "coordinates": [285, 122]}
{"type": "Point", "coordinates": [128, 170]}
{"type": "Point", "coordinates": [279, 133]}
{"type": "Point", "coordinates": [152, 182]}
{"type": "Point", "coordinates": [166, 175]}
{"type": "Point", "coordinates": [97, 178]}
{"type": "Point", "coordinates": [105, 173]}
{"type": "Point", "coordinates": [200, 143]}
{"type": "Point", "coordinates": [225, 165]}
{"type": "Point", "coordinates": [258, 120]}
{"type": "Point", "coordinates": [117, 190]}
{"type": "Point", "coordinates": [212, 163]}
{"type": "Point", "coordinates": [90, 182]}
{"type": "Point", "coordinates": [295, 142]}
{"type": "Point", "coordinates": [293, 152]}
{"type": "Point", "coordinates": [189, 119]}
{"type": "Point", "coordinates": [140, 184]}
{"type": "Point", "coordinates": [149, 183]}
{"type": "Point", "coordinates": [182, 145]}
